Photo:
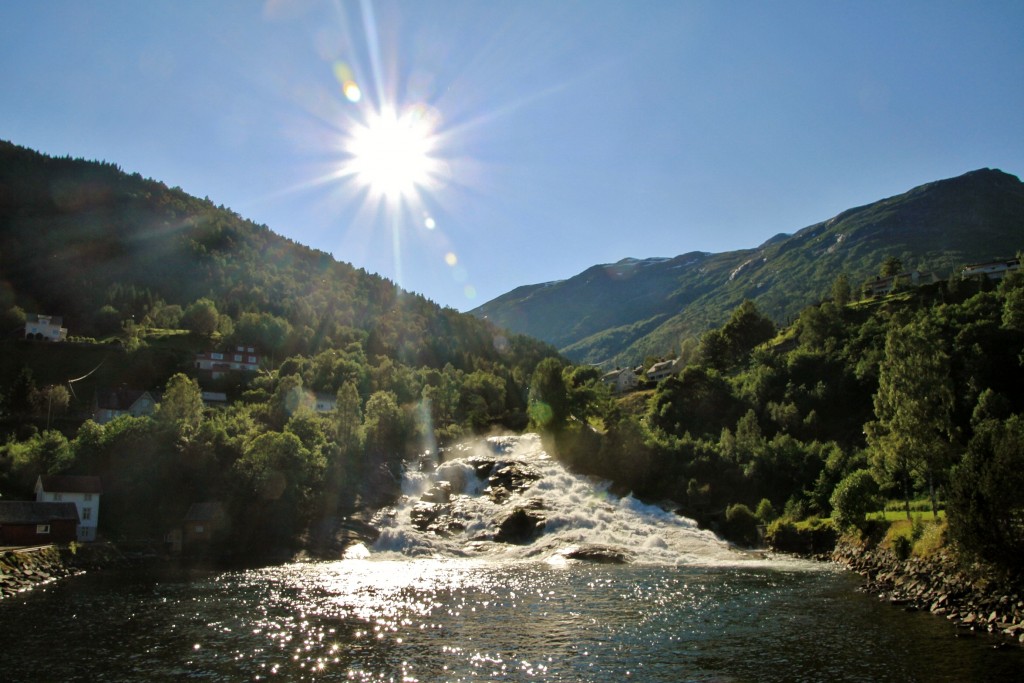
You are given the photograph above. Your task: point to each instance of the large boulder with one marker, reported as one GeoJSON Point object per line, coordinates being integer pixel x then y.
{"type": "Point", "coordinates": [601, 554]}
{"type": "Point", "coordinates": [520, 526]}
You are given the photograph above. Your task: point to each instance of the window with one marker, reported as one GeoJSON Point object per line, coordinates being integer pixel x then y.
{"type": "Point", "coordinates": [199, 528]}
{"type": "Point", "coordinates": [238, 358]}
{"type": "Point", "coordinates": [42, 528]}
{"type": "Point", "coordinates": [252, 359]}
{"type": "Point", "coordinates": [217, 356]}
{"type": "Point", "coordinates": [86, 514]}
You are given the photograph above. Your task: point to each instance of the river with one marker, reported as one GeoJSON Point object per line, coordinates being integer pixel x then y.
{"type": "Point", "coordinates": [421, 607]}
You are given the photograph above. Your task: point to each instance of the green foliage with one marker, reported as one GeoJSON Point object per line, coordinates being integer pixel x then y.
{"type": "Point", "coordinates": [853, 498]}
{"type": "Point", "coordinates": [985, 508]}
{"type": "Point", "coordinates": [912, 435]}
{"type": "Point", "coordinates": [741, 525]}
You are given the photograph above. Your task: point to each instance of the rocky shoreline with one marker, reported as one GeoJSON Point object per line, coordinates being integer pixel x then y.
{"type": "Point", "coordinates": [976, 599]}
{"type": "Point", "coordinates": [23, 569]}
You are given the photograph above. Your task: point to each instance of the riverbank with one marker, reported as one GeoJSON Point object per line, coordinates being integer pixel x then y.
{"type": "Point", "coordinates": [976, 598]}
{"type": "Point", "coordinates": [22, 569]}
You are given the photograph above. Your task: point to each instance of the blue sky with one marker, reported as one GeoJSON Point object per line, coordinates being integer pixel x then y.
{"type": "Point", "coordinates": [561, 134]}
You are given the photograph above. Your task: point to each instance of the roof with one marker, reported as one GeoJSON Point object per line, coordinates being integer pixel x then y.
{"type": "Point", "coordinates": [663, 365]}
{"type": "Point", "coordinates": [64, 483]}
{"type": "Point", "coordinates": [31, 512]}
{"type": "Point", "coordinates": [40, 317]}
{"type": "Point", "coordinates": [121, 399]}
{"type": "Point", "coordinates": [204, 512]}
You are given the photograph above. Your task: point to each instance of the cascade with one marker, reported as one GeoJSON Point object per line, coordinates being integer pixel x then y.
{"type": "Point", "coordinates": [505, 498]}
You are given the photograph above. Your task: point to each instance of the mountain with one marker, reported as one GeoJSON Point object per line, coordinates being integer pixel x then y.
{"type": "Point", "coordinates": [104, 250]}
{"type": "Point", "coordinates": [622, 312]}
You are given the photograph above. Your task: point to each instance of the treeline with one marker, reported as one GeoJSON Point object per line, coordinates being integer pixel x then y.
{"type": "Point", "coordinates": [285, 471]}
{"type": "Point", "coordinates": [914, 395]}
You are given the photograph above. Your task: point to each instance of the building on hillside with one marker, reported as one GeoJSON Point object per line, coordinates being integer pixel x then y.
{"type": "Point", "coordinates": [660, 371]}
{"type": "Point", "coordinates": [324, 403]}
{"type": "Point", "coordinates": [620, 380]}
{"type": "Point", "coordinates": [83, 491]}
{"type": "Point", "coordinates": [993, 270]}
{"type": "Point", "coordinates": [111, 403]}
{"type": "Point", "coordinates": [884, 285]}
{"type": "Point", "coordinates": [26, 522]}
{"type": "Point", "coordinates": [215, 399]}
{"type": "Point", "coordinates": [203, 524]}
{"type": "Point", "coordinates": [218, 363]}
{"type": "Point", "coordinates": [45, 328]}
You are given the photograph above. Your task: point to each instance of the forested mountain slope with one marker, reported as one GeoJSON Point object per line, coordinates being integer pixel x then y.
{"type": "Point", "coordinates": [621, 312]}
{"type": "Point", "coordinates": [102, 248]}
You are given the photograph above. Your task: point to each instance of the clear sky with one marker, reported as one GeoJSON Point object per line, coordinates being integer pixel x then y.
{"type": "Point", "coordinates": [463, 148]}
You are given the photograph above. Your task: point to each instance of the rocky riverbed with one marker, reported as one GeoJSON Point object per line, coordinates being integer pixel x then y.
{"type": "Point", "coordinates": [977, 599]}
{"type": "Point", "coordinates": [25, 568]}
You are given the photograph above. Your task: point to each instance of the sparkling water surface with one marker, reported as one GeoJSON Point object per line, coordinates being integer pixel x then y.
{"type": "Point", "coordinates": [420, 606]}
{"type": "Point", "coordinates": [462, 620]}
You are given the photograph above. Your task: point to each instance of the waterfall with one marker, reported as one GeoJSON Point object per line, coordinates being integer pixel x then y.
{"type": "Point", "coordinates": [504, 498]}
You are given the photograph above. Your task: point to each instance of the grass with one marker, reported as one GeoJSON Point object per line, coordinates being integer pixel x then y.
{"type": "Point", "coordinates": [901, 515]}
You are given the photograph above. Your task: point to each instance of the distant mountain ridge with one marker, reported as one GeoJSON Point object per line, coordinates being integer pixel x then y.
{"type": "Point", "coordinates": [618, 313]}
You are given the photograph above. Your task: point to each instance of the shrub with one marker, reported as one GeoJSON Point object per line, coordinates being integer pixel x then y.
{"type": "Point", "coordinates": [741, 525]}
{"type": "Point", "coordinates": [765, 512]}
{"type": "Point", "coordinates": [853, 498]}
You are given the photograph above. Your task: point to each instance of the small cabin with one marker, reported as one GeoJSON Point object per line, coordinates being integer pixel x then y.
{"type": "Point", "coordinates": [35, 523]}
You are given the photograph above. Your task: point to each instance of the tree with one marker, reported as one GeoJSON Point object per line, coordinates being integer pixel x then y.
{"type": "Point", "coordinates": [347, 416]}
{"type": "Point", "coordinates": [202, 317]}
{"type": "Point", "coordinates": [985, 506]}
{"type": "Point", "coordinates": [53, 399]}
{"type": "Point", "coordinates": [385, 427]}
{"type": "Point", "coordinates": [841, 290]}
{"type": "Point", "coordinates": [913, 430]}
{"type": "Point", "coordinates": [181, 406]}
{"type": "Point", "coordinates": [549, 396]}
{"type": "Point", "coordinates": [853, 498]}
{"type": "Point", "coordinates": [891, 267]}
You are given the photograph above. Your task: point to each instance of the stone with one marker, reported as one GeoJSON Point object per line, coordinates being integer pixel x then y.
{"type": "Point", "coordinates": [600, 554]}
{"type": "Point", "coordinates": [521, 526]}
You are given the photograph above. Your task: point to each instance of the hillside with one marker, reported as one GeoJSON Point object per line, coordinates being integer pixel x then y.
{"type": "Point", "coordinates": [107, 250]}
{"type": "Point", "coordinates": [621, 312]}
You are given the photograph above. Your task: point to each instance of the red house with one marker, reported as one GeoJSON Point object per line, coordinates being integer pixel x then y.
{"type": "Point", "coordinates": [33, 523]}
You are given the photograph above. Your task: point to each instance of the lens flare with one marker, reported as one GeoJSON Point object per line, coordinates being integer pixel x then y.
{"type": "Point", "coordinates": [451, 259]}
{"type": "Point", "coordinates": [392, 154]}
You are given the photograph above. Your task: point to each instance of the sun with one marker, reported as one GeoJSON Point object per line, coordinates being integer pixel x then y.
{"type": "Point", "coordinates": [393, 155]}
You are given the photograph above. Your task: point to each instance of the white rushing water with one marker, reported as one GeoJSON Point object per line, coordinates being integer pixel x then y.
{"type": "Point", "coordinates": [572, 513]}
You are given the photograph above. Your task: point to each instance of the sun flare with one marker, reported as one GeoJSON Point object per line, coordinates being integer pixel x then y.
{"type": "Point", "coordinates": [392, 154]}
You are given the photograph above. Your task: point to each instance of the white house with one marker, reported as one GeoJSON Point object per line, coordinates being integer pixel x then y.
{"type": "Point", "coordinates": [45, 327]}
{"type": "Point", "coordinates": [620, 380]}
{"type": "Point", "coordinates": [83, 491]}
{"type": "Point", "coordinates": [993, 270]}
{"type": "Point", "coordinates": [218, 363]}
{"type": "Point", "coordinates": [660, 371]}
{"type": "Point", "coordinates": [111, 403]}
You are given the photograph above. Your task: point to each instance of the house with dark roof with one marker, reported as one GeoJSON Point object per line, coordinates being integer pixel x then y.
{"type": "Point", "coordinates": [113, 403]}
{"type": "Point", "coordinates": [81, 491]}
{"type": "Point", "coordinates": [665, 368]}
{"type": "Point", "coordinates": [26, 522]}
{"type": "Point", "coordinates": [204, 523]}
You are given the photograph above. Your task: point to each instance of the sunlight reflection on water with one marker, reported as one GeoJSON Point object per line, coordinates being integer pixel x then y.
{"type": "Point", "coordinates": [462, 620]}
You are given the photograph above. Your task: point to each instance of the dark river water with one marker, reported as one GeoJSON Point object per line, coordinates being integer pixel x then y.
{"type": "Point", "coordinates": [481, 620]}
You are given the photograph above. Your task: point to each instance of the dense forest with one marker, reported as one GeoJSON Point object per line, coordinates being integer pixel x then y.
{"type": "Point", "coordinates": [915, 395]}
{"type": "Point", "coordinates": [908, 396]}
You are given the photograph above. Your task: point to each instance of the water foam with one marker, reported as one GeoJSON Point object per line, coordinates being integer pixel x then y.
{"type": "Point", "coordinates": [577, 511]}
